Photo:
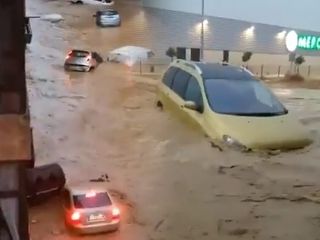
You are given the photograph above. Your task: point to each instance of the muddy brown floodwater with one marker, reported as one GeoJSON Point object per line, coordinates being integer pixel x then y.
{"type": "Point", "coordinates": [170, 183]}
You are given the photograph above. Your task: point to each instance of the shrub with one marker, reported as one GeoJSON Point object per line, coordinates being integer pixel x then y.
{"type": "Point", "coordinates": [171, 52]}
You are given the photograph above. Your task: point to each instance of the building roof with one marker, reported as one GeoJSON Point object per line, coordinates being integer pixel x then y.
{"type": "Point", "coordinates": [15, 135]}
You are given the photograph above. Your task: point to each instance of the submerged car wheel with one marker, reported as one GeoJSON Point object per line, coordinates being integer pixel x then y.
{"type": "Point", "coordinates": [77, 2]}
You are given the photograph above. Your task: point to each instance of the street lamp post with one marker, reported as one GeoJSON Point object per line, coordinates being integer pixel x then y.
{"type": "Point", "coordinates": [202, 32]}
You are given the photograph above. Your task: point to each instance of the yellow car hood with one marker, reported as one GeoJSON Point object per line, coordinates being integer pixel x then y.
{"type": "Point", "coordinates": [276, 132]}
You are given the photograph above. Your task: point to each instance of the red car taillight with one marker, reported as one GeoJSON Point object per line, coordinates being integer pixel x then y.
{"type": "Point", "coordinates": [69, 54]}
{"type": "Point", "coordinates": [115, 213]}
{"type": "Point", "coordinates": [75, 217]}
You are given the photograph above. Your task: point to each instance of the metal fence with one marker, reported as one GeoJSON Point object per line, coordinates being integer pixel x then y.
{"type": "Point", "coordinates": [158, 66]}
{"type": "Point", "coordinates": [153, 66]}
{"type": "Point", "coordinates": [279, 71]}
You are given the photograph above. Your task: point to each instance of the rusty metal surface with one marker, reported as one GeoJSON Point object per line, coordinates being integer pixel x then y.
{"type": "Point", "coordinates": [15, 138]}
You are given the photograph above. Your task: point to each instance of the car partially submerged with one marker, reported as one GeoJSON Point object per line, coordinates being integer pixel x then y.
{"type": "Point", "coordinates": [94, 2]}
{"type": "Point", "coordinates": [81, 60]}
{"type": "Point", "coordinates": [230, 106]}
{"type": "Point", "coordinates": [129, 55]}
{"type": "Point", "coordinates": [89, 209]}
{"type": "Point", "coordinates": [108, 18]}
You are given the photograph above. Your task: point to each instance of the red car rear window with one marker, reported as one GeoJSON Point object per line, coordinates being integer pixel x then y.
{"type": "Point", "coordinates": [99, 200]}
{"type": "Point", "coordinates": [79, 54]}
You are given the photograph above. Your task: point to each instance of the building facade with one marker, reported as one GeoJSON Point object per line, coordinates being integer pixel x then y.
{"type": "Point", "coordinates": [285, 13]}
{"type": "Point", "coordinates": [261, 27]}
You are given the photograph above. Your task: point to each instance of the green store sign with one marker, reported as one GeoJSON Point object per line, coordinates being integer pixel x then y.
{"type": "Point", "coordinates": [296, 41]}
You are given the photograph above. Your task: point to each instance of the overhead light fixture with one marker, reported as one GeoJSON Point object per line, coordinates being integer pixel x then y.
{"type": "Point", "coordinates": [281, 35]}
{"type": "Point", "coordinates": [292, 41]}
{"type": "Point", "coordinates": [249, 31]}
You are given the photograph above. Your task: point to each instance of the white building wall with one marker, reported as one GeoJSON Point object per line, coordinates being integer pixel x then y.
{"type": "Point", "coordinates": [288, 13]}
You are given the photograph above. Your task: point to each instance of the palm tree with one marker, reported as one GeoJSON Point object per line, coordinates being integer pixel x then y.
{"type": "Point", "coordinates": [246, 57]}
{"type": "Point", "coordinates": [171, 52]}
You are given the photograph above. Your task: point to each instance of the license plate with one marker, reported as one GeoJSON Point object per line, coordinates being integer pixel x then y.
{"type": "Point", "coordinates": [96, 217]}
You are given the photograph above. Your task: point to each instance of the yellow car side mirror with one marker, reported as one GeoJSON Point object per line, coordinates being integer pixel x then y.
{"type": "Point", "coordinates": [191, 105]}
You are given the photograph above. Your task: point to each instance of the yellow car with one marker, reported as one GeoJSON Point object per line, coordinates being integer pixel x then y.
{"type": "Point", "coordinates": [230, 106]}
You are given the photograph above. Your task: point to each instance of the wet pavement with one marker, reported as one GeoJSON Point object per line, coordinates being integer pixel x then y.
{"type": "Point", "coordinates": [176, 186]}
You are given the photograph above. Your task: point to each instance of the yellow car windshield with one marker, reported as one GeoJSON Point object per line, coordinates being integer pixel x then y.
{"type": "Point", "coordinates": [245, 97]}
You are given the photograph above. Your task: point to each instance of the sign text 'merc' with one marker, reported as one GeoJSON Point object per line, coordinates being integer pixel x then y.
{"type": "Point", "coordinates": [309, 42]}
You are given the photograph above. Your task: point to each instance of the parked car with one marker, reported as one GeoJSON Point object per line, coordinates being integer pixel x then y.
{"type": "Point", "coordinates": [129, 55]}
{"type": "Point", "coordinates": [43, 182]}
{"type": "Point", "coordinates": [106, 2]}
{"type": "Point", "coordinates": [230, 105]}
{"type": "Point", "coordinates": [89, 209]}
{"type": "Point", "coordinates": [108, 18]}
{"type": "Point", "coordinates": [80, 60]}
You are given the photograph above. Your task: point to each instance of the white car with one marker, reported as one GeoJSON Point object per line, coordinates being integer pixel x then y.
{"type": "Point", "coordinates": [81, 60]}
{"type": "Point", "coordinates": [89, 209]}
{"type": "Point", "coordinates": [104, 2]}
{"type": "Point", "coordinates": [129, 55]}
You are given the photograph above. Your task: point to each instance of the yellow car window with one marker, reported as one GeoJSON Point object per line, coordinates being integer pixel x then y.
{"type": "Point", "coordinates": [193, 92]}
{"type": "Point", "coordinates": [180, 82]}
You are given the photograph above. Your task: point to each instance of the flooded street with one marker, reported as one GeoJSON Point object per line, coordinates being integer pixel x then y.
{"type": "Point", "coordinates": [170, 183]}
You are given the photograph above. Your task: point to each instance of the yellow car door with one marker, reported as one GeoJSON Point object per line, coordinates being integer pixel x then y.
{"type": "Point", "coordinates": [193, 103]}
{"type": "Point", "coordinates": [178, 89]}
{"type": "Point", "coordinates": [164, 91]}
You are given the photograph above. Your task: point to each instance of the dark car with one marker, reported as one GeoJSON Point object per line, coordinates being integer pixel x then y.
{"type": "Point", "coordinates": [108, 18]}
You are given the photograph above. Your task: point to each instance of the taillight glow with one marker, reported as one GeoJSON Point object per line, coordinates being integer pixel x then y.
{"type": "Point", "coordinates": [115, 212]}
{"type": "Point", "coordinates": [75, 216]}
{"type": "Point", "coordinates": [69, 54]}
